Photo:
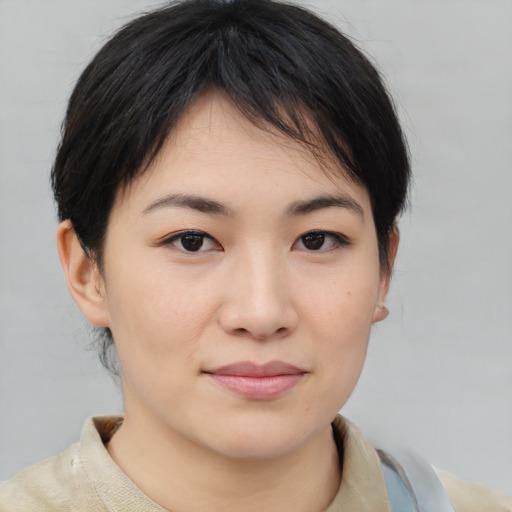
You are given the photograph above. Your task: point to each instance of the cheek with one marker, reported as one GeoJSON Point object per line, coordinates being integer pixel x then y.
{"type": "Point", "coordinates": [155, 315]}
{"type": "Point", "coordinates": [156, 335]}
{"type": "Point", "coordinates": [343, 310]}
{"type": "Point", "coordinates": [346, 302]}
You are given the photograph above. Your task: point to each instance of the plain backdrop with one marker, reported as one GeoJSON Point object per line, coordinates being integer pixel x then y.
{"type": "Point", "coordinates": [439, 369]}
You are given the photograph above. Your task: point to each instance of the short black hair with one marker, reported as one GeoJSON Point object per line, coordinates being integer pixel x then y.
{"type": "Point", "coordinates": [280, 64]}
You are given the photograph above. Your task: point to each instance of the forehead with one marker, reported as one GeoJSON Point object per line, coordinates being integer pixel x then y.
{"type": "Point", "coordinates": [215, 148]}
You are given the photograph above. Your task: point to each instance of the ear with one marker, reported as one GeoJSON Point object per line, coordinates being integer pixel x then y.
{"type": "Point", "coordinates": [381, 311]}
{"type": "Point", "coordinates": [82, 275]}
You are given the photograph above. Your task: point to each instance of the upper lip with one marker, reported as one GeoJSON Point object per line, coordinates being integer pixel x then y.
{"type": "Point", "coordinates": [250, 369]}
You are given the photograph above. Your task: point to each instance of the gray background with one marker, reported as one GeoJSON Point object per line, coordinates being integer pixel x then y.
{"type": "Point", "coordinates": [439, 371]}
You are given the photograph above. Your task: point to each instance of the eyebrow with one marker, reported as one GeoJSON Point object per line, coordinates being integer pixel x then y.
{"type": "Point", "coordinates": [210, 206]}
{"type": "Point", "coordinates": [323, 202]}
{"type": "Point", "coordinates": [198, 203]}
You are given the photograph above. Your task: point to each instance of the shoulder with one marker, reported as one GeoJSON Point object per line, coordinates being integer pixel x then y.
{"type": "Point", "coordinates": [55, 484]}
{"type": "Point", "coordinates": [473, 497]}
{"type": "Point", "coordinates": [464, 496]}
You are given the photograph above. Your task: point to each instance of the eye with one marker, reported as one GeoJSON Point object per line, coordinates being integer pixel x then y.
{"type": "Point", "coordinates": [321, 241]}
{"type": "Point", "coordinates": [192, 241]}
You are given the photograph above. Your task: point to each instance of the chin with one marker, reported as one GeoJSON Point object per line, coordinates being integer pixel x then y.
{"type": "Point", "coordinates": [260, 436]}
{"type": "Point", "coordinates": [263, 447]}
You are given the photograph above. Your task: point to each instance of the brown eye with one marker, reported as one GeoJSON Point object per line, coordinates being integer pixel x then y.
{"type": "Point", "coordinates": [313, 241]}
{"type": "Point", "coordinates": [192, 242]}
{"type": "Point", "coordinates": [321, 241]}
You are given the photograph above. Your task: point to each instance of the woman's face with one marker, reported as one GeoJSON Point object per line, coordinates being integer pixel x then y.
{"type": "Point", "coordinates": [240, 282]}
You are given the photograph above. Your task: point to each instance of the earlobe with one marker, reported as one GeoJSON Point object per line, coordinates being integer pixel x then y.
{"type": "Point", "coordinates": [82, 275]}
{"type": "Point", "coordinates": [381, 311]}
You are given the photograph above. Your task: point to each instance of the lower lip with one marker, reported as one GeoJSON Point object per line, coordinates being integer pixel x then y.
{"type": "Point", "coordinates": [258, 388]}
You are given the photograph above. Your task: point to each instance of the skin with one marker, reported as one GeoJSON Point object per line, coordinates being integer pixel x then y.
{"type": "Point", "coordinates": [257, 290]}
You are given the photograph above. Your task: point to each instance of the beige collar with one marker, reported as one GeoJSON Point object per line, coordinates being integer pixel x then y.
{"type": "Point", "coordinates": [362, 486]}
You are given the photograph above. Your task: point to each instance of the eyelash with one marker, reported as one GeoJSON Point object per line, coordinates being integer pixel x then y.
{"type": "Point", "coordinates": [337, 240]}
{"type": "Point", "coordinates": [190, 233]}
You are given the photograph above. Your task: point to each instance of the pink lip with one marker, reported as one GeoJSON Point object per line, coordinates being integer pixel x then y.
{"type": "Point", "coordinates": [257, 382]}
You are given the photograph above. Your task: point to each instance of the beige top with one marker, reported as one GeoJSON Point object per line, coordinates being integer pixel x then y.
{"type": "Point", "coordinates": [84, 478]}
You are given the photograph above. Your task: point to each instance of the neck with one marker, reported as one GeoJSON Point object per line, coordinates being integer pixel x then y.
{"type": "Point", "coordinates": [181, 476]}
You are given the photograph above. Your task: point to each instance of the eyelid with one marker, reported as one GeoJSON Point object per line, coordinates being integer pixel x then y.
{"type": "Point", "coordinates": [173, 237]}
{"type": "Point", "coordinates": [339, 239]}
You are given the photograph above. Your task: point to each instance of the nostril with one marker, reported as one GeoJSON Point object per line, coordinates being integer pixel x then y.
{"type": "Point", "coordinates": [261, 322]}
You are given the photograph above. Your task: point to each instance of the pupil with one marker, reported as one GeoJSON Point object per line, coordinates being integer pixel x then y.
{"type": "Point", "coordinates": [313, 241]}
{"type": "Point", "coordinates": [192, 242]}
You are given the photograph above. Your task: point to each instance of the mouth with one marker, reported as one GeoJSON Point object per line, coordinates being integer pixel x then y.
{"type": "Point", "coordinates": [257, 382]}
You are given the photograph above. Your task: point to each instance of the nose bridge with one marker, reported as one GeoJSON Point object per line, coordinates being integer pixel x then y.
{"type": "Point", "coordinates": [263, 273]}
{"type": "Point", "coordinates": [258, 301]}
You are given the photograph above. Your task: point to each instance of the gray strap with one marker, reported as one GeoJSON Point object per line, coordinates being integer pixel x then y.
{"type": "Point", "coordinates": [401, 497]}
{"type": "Point", "coordinates": [412, 484]}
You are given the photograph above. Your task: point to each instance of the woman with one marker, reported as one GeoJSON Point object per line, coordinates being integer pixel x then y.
{"type": "Point", "coordinates": [228, 182]}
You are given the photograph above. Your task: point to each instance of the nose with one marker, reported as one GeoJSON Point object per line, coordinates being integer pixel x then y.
{"type": "Point", "coordinates": [258, 302]}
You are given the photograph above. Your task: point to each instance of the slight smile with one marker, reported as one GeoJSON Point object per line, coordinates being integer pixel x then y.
{"type": "Point", "coordinates": [257, 382]}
